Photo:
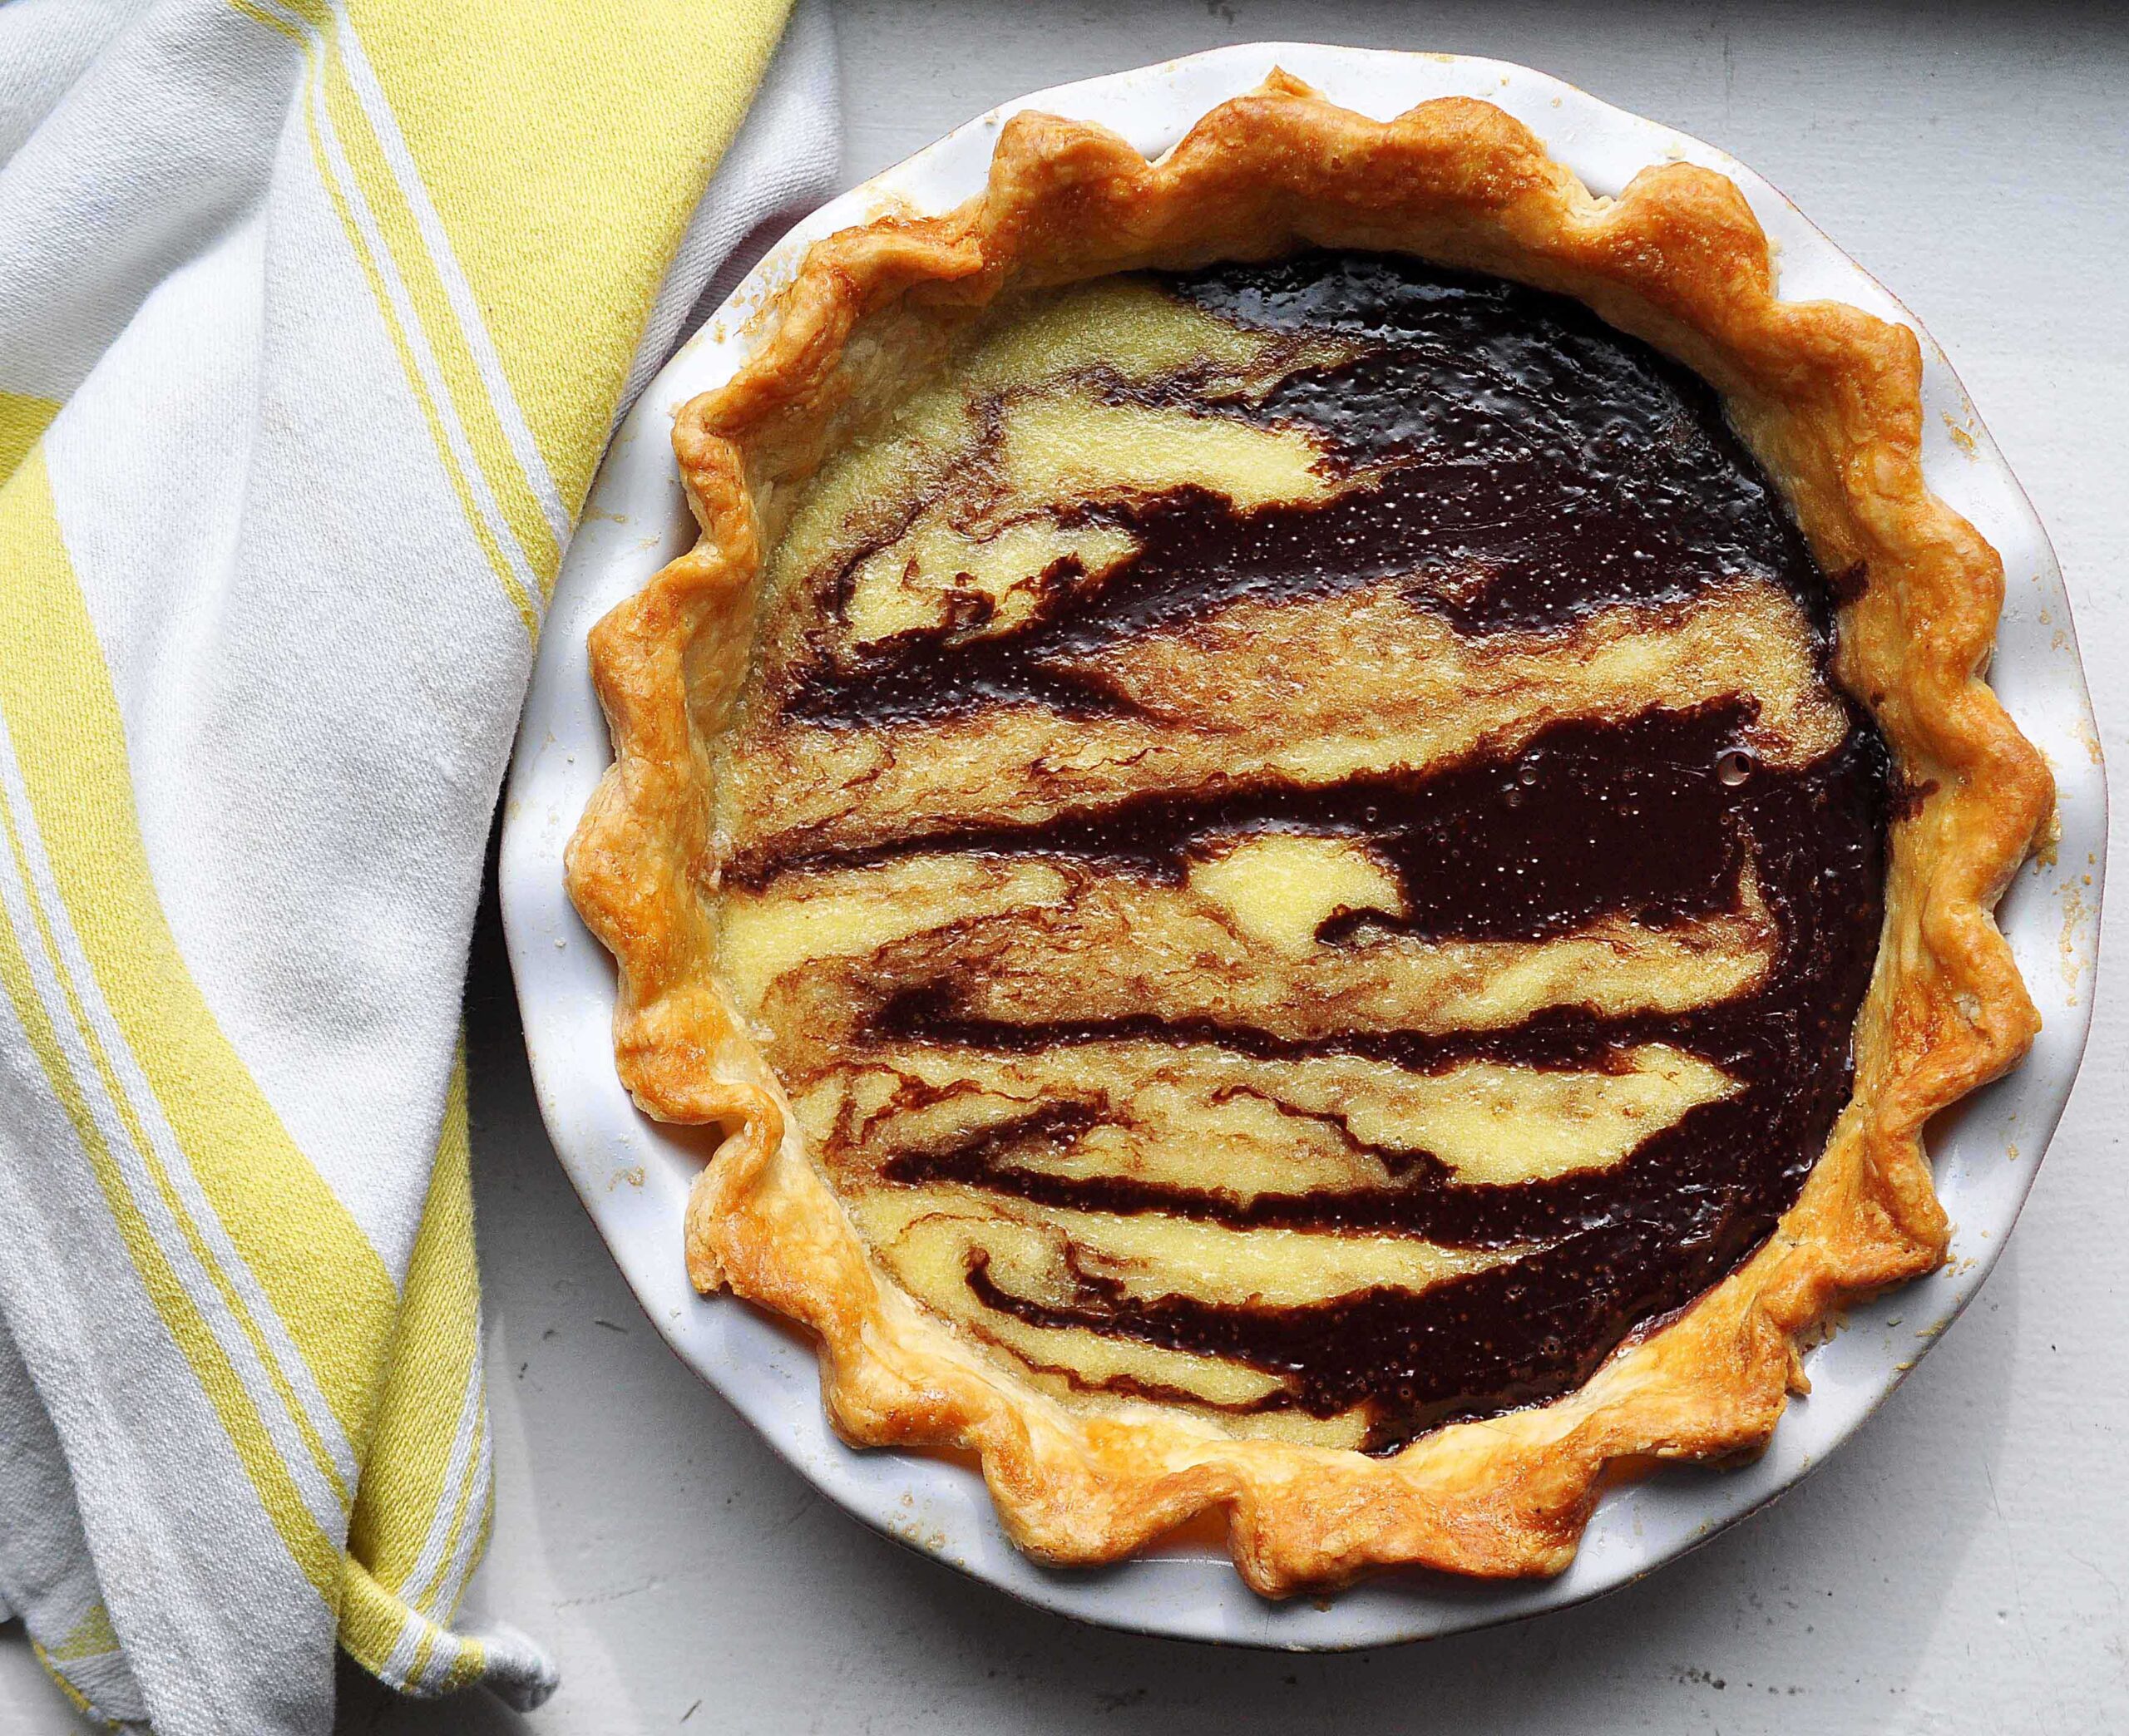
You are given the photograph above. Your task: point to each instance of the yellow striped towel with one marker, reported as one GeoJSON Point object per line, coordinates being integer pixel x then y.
{"type": "Point", "coordinates": [314, 317]}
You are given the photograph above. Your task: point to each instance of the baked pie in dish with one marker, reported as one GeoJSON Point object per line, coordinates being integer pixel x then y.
{"type": "Point", "coordinates": [1316, 821]}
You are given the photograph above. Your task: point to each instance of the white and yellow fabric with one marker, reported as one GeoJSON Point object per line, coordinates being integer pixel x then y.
{"type": "Point", "coordinates": [315, 318]}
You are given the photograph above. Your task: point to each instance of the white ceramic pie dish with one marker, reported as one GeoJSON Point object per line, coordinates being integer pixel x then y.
{"type": "Point", "coordinates": [633, 1175]}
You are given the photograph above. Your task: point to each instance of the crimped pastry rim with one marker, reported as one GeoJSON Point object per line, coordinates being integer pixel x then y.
{"type": "Point", "coordinates": [1510, 1508]}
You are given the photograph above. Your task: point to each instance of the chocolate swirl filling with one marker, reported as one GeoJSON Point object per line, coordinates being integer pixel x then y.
{"type": "Point", "coordinates": [1509, 465]}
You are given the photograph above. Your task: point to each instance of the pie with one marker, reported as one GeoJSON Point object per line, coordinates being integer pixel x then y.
{"type": "Point", "coordinates": [1318, 821]}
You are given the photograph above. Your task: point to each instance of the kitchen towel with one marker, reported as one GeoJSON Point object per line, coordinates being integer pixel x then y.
{"type": "Point", "coordinates": [315, 316]}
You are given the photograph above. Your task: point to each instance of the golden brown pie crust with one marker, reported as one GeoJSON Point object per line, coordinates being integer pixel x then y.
{"type": "Point", "coordinates": [1827, 397]}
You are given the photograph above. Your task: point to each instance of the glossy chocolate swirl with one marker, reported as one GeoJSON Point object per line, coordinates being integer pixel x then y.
{"type": "Point", "coordinates": [1293, 841]}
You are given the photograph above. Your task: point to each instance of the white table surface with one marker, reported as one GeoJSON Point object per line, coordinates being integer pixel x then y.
{"type": "Point", "coordinates": [1960, 1567]}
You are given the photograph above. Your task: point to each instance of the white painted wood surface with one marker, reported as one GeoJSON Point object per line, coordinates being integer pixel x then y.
{"type": "Point", "coordinates": [1959, 1567]}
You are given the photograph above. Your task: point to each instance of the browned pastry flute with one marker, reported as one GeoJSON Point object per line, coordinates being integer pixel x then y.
{"type": "Point", "coordinates": [1319, 820]}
